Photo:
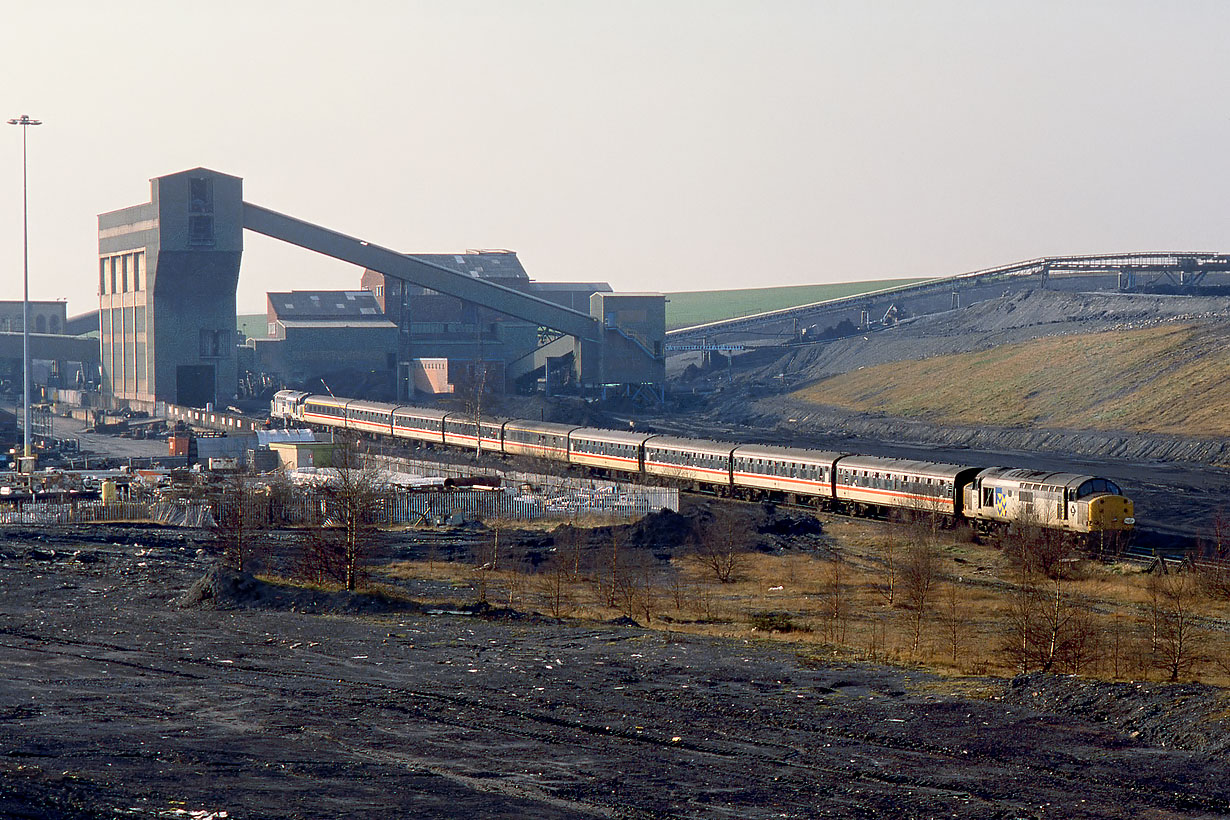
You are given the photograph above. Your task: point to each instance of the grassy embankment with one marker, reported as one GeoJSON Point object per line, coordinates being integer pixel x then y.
{"type": "Point", "coordinates": [864, 605]}
{"type": "Point", "coordinates": [253, 325]}
{"type": "Point", "coordinates": [1156, 380]}
{"type": "Point", "coordinates": [687, 308]}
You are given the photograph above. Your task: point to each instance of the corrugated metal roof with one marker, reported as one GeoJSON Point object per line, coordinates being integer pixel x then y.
{"type": "Point", "coordinates": [325, 304]}
{"type": "Point", "coordinates": [479, 264]}
{"type": "Point", "coordinates": [592, 287]}
{"type": "Point", "coordinates": [358, 321]}
{"type": "Point", "coordinates": [266, 437]}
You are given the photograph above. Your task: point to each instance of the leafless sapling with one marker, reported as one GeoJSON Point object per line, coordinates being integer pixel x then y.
{"type": "Point", "coordinates": [1178, 637]}
{"type": "Point", "coordinates": [352, 504]}
{"type": "Point", "coordinates": [919, 577]}
{"type": "Point", "coordinates": [720, 543]}
{"type": "Point", "coordinates": [243, 516]}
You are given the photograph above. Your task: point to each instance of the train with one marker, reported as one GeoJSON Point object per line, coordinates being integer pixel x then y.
{"type": "Point", "coordinates": [988, 498]}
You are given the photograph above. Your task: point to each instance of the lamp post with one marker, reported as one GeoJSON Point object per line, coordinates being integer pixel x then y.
{"type": "Point", "coordinates": [25, 122]}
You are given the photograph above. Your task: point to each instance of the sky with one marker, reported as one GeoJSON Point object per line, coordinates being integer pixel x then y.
{"type": "Point", "coordinates": [667, 145]}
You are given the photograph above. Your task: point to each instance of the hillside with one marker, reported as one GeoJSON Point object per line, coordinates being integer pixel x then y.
{"type": "Point", "coordinates": [253, 325]}
{"type": "Point", "coordinates": [687, 308]}
{"type": "Point", "coordinates": [1137, 377]}
{"type": "Point", "coordinates": [1155, 380]}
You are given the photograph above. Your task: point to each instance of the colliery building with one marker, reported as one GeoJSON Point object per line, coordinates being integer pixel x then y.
{"type": "Point", "coordinates": [167, 276]}
{"type": "Point", "coordinates": [330, 336]}
{"type": "Point", "coordinates": [167, 273]}
{"type": "Point", "coordinates": [393, 339]}
{"type": "Point", "coordinates": [437, 331]}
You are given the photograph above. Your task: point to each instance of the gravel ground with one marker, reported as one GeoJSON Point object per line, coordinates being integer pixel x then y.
{"type": "Point", "coordinates": [119, 700]}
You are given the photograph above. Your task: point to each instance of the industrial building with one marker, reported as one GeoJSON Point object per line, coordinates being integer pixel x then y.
{"type": "Point", "coordinates": [167, 274]}
{"type": "Point", "coordinates": [45, 317]}
{"type": "Point", "coordinates": [168, 271]}
{"type": "Point", "coordinates": [476, 343]}
{"type": "Point", "coordinates": [317, 335]}
{"type": "Point", "coordinates": [57, 359]}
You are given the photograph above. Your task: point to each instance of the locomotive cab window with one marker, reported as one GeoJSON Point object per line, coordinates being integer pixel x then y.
{"type": "Point", "coordinates": [1097, 485]}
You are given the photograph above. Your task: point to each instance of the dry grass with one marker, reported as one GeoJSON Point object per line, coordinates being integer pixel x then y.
{"type": "Point", "coordinates": [1151, 380]}
{"type": "Point", "coordinates": [971, 604]}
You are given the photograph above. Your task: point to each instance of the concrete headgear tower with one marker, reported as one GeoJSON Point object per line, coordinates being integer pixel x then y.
{"type": "Point", "coordinates": [167, 275]}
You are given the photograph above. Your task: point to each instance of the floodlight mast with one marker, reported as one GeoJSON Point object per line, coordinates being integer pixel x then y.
{"type": "Point", "coordinates": [25, 121]}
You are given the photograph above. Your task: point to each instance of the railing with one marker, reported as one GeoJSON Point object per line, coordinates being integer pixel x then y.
{"type": "Point", "coordinates": [434, 508]}
{"type": "Point", "coordinates": [313, 507]}
{"type": "Point", "coordinates": [74, 512]}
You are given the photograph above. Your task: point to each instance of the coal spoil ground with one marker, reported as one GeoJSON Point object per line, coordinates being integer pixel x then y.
{"type": "Point", "coordinates": [119, 699]}
{"type": "Point", "coordinates": [1180, 483]}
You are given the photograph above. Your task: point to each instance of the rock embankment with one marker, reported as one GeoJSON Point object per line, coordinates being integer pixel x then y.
{"type": "Point", "coordinates": [798, 418]}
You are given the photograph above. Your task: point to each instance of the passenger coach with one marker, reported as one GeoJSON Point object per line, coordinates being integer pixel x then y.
{"type": "Point", "coordinates": [689, 460]}
{"type": "Point", "coordinates": [369, 417]}
{"type": "Point", "coordinates": [872, 482]}
{"type": "Point", "coordinates": [538, 439]}
{"type": "Point", "coordinates": [419, 424]}
{"type": "Point", "coordinates": [609, 450]}
{"type": "Point", "coordinates": [762, 470]}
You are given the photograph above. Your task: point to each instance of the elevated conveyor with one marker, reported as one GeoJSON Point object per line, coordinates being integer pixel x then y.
{"type": "Point", "coordinates": [1124, 271]}
{"type": "Point", "coordinates": [418, 272]}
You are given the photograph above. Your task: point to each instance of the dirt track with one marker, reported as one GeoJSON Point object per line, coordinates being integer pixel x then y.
{"type": "Point", "coordinates": [118, 701]}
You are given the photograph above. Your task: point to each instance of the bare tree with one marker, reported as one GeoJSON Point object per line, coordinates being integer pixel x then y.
{"type": "Point", "coordinates": [612, 590]}
{"type": "Point", "coordinates": [1049, 628]}
{"type": "Point", "coordinates": [243, 515]}
{"type": "Point", "coordinates": [878, 641]}
{"type": "Point", "coordinates": [1117, 638]}
{"type": "Point", "coordinates": [954, 619]}
{"type": "Point", "coordinates": [570, 542]}
{"type": "Point", "coordinates": [679, 588]}
{"type": "Point", "coordinates": [1062, 629]}
{"type": "Point", "coordinates": [1215, 576]}
{"type": "Point", "coordinates": [646, 573]}
{"type": "Point", "coordinates": [890, 549]}
{"type": "Point", "coordinates": [351, 503]}
{"type": "Point", "coordinates": [837, 604]}
{"type": "Point", "coordinates": [919, 576]}
{"type": "Point", "coordinates": [1041, 549]}
{"type": "Point", "coordinates": [554, 586]}
{"type": "Point", "coordinates": [1024, 602]}
{"type": "Point", "coordinates": [720, 542]}
{"type": "Point", "coordinates": [1083, 644]}
{"type": "Point", "coordinates": [471, 391]}
{"type": "Point", "coordinates": [1177, 635]}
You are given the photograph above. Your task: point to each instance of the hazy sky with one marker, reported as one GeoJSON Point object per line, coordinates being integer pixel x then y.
{"type": "Point", "coordinates": [662, 145]}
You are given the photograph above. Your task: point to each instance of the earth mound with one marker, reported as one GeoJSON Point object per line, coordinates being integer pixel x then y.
{"type": "Point", "coordinates": [1188, 716]}
{"type": "Point", "coordinates": [762, 526]}
{"type": "Point", "coordinates": [224, 588]}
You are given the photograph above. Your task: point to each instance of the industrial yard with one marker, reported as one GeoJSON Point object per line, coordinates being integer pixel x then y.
{"type": "Point", "coordinates": [646, 410]}
{"type": "Point", "coordinates": [133, 690]}
{"type": "Point", "coordinates": [472, 674]}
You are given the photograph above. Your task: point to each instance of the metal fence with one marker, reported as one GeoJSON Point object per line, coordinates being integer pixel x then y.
{"type": "Point", "coordinates": [99, 512]}
{"type": "Point", "coordinates": [543, 495]}
{"type": "Point", "coordinates": [459, 506]}
{"type": "Point", "coordinates": [315, 507]}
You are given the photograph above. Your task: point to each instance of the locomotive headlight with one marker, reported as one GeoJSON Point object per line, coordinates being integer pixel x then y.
{"type": "Point", "coordinates": [1129, 521]}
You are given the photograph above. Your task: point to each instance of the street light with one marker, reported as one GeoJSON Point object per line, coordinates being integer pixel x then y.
{"type": "Point", "coordinates": [25, 122]}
